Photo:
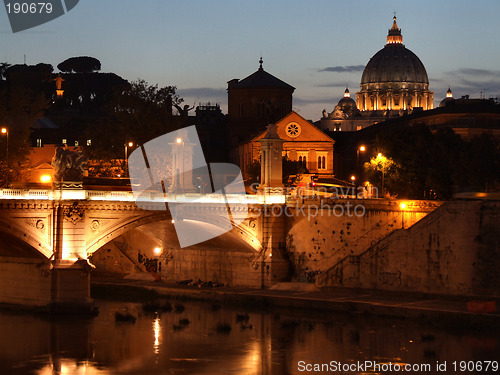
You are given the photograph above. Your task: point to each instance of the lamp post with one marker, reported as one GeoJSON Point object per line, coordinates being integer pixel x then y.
{"type": "Point", "coordinates": [380, 157]}
{"type": "Point", "coordinates": [358, 169]}
{"type": "Point", "coordinates": [6, 132]}
{"type": "Point", "coordinates": [125, 166]}
{"type": "Point", "coordinates": [402, 206]}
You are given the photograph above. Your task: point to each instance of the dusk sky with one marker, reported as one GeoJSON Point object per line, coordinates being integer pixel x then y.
{"type": "Point", "coordinates": [317, 46]}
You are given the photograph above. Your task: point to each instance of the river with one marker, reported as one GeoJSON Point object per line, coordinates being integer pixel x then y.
{"type": "Point", "coordinates": [206, 338]}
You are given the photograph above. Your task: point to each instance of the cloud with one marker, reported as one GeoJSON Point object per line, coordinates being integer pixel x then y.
{"type": "Point", "coordinates": [343, 69]}
{"type": "Point", "coordinates": [203, 92]}
{"type": "Point", "coordinates": [342, 84]}
{"type": "Point", "coordinates": [476, 72]}
{"type": "Point", "coordinates": [302, 101]}
{"type": "Point", "coordinates": [469, 81]}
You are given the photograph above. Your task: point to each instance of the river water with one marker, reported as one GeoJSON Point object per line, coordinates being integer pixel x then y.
{"type": "Point", "coordinates": [209, 339]}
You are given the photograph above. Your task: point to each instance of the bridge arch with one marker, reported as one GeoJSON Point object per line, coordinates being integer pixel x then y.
{"type": "Point", "coordinates": [123, 226]}
{"type": "Point", "coordinates": [10, 228]}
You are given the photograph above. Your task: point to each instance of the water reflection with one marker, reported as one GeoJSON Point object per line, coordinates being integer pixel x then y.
{"type": "Point", "coordinates": [71, 367]}
{"type": "Point", "coordinates": [157, 328]}
{"type": "Point", "coordinates": [206, 339]}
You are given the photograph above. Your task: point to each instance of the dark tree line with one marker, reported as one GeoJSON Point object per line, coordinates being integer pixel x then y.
{"type": "Point", "coordinates": [436, 165]}
{"type": "Point", "coordinates": [137, 114]}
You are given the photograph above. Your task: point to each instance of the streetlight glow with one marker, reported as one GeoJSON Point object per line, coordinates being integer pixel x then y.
{"type": "Point", "coordinates": [402, 206]}
{"type": "Point", "coordinates": [45, 178]}
{"type": "Point", "coordinates": [157, 250]}
{"type": "Point", "coordinates": [353, 178]}
{"type": "Point", "coordinates": [130, 144]}
{"type": "Point", "coordinates": [4, 130]}
{"type": "Point", "coordinates": [362, 148]}
{"type": "Point", "coordinates": [178, 140]}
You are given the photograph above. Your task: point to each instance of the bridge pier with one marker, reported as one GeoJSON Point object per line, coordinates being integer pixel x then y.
{"type": "Point", "coordinates": [70, 287]}
{"type": "Point", "coordinates": [275, 265]}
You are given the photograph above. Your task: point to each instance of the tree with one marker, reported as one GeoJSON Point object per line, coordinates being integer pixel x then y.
{"type": "Point", "coordinates": [137, 113]}
{"type": "Point", "coordinates": [383, 173]}
{"type": "Point", "coordinates": [82, 64]}
{"type": "Point", "coordinates": [3, 68]}
{"type": "Point", "coordinates": [435, 165]}
{"type": "Point", "coordinates": [18, 111]}
{"type": "Point", "coordinates": [292, 168]}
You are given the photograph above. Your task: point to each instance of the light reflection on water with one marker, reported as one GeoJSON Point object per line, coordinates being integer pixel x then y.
{"type": "Point", "coordinates": [190, 343]}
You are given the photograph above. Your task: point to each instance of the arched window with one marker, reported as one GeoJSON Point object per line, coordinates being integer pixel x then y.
{"type": "Point", "coordinates": [319, 162]}
{"type": "Point", "coordinates": [304, 162]}
{"type": "Point", "coordinates": [300, 160]}
{"type": "Point", "coordinates": [324, 162]}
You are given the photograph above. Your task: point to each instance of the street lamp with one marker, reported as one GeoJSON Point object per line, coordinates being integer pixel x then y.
{"type": "Point", "coordinates": [125, 167]}
{"type": "Point", "coordinates": [381, 159]}
{"type": "Point", "coordinates": [358, 169]}
{"type": "Point", "coordinates": [402, 206]}
{"type": "Point", "coordinates": [6, 132]}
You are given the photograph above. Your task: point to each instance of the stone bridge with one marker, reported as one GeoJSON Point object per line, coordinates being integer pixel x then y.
{"type": "Point", "coordinates": [59, 229]}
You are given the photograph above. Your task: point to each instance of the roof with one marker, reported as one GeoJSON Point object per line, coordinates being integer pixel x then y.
{"type": "Point", "coordinates": [394, 63]}
{"type": "Point", "coordinates": [309, 131]}
{"type": "Point", "coordinates": [262, 79]}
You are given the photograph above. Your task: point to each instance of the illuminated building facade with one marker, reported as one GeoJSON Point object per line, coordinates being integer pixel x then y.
{"type": "Point", "coordinates": [394, 82]}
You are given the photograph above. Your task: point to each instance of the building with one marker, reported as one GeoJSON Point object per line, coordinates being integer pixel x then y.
{"type": "Point", "coordinates": [303, 142]}
{"type": "Point", "coordinates": [254, 102]}
{"type": "Point", "coordinates": [393, 83]}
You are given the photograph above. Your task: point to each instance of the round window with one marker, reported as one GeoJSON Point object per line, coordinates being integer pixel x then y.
{"type": "Point", "coordinates": [293, 130]}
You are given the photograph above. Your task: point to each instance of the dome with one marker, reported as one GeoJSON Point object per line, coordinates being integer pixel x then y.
{"type": "Point", "coordinates": [449, 98]}
{"type": "Point", "coordinates": [394, 78]}
{"type": "Point", "coordinates": [394, 63]}
{"type": "Point", "coordinates": [347, 102]}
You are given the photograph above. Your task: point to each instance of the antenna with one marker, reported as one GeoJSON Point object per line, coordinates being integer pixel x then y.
{"type": "Point", "coordinates": [24, 59]}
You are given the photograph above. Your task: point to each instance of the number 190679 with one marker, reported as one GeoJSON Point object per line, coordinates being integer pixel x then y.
{"type": "Point", "coordinates": [26, 8]}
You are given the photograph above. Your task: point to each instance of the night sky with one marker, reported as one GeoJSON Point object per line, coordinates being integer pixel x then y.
{"type": "Point", "coordinates": [317, 46]}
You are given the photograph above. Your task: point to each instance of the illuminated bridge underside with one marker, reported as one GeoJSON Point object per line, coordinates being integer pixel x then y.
{"type": "Point", "coordinates": [77, 223]}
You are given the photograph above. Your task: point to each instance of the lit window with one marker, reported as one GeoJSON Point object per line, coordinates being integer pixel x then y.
{"type": "Point", "coordinates": [39, 142]}
{"type": "Point", "coordinates": [76, 143]}
{"type": "Point", "coordinates": [321, 160]}
{"type": "Point", "coordinates": [89, 142]}
{"type": "Point", "coordinates": [64, 141]}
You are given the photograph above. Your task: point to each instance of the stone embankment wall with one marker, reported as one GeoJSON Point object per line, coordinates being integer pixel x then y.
{"type": "Point", "coordinates": [321, 233]}
{"type": "Point", "coordinates": [455, 250]}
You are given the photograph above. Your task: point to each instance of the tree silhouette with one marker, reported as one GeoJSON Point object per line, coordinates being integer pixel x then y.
{"type": "Point", "coordinates": [138, 113]}
{"type": "Point", "coordinates": [81, 64]}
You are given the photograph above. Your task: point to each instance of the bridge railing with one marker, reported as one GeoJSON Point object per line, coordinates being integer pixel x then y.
{"type": "Point", "coordinates": [128, 196]}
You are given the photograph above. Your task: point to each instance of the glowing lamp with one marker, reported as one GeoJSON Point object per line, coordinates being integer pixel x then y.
{"type": "Point", "coordinates": [130, 144]}
{"type": "Point", "coordinates": [362, 148]}
{"type": "Point", "coordinates": [157, 250]}
{"type": "Point", "coordinates": [178, 140]}
{"type": "Point", "coordinates": [402, 206]}
{"type": "Point", "coordinates": [353, 178]}
{"type": "Point", "coordinates": [4, 130]}
{"type": "Point", "coordinates": [45, 178]}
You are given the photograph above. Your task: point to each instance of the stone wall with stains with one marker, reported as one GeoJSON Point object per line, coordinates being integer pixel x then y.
{"type": "Point", "coordinates": [455, 250]}
{"type": "Point", "coordinates": [321, 233]}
